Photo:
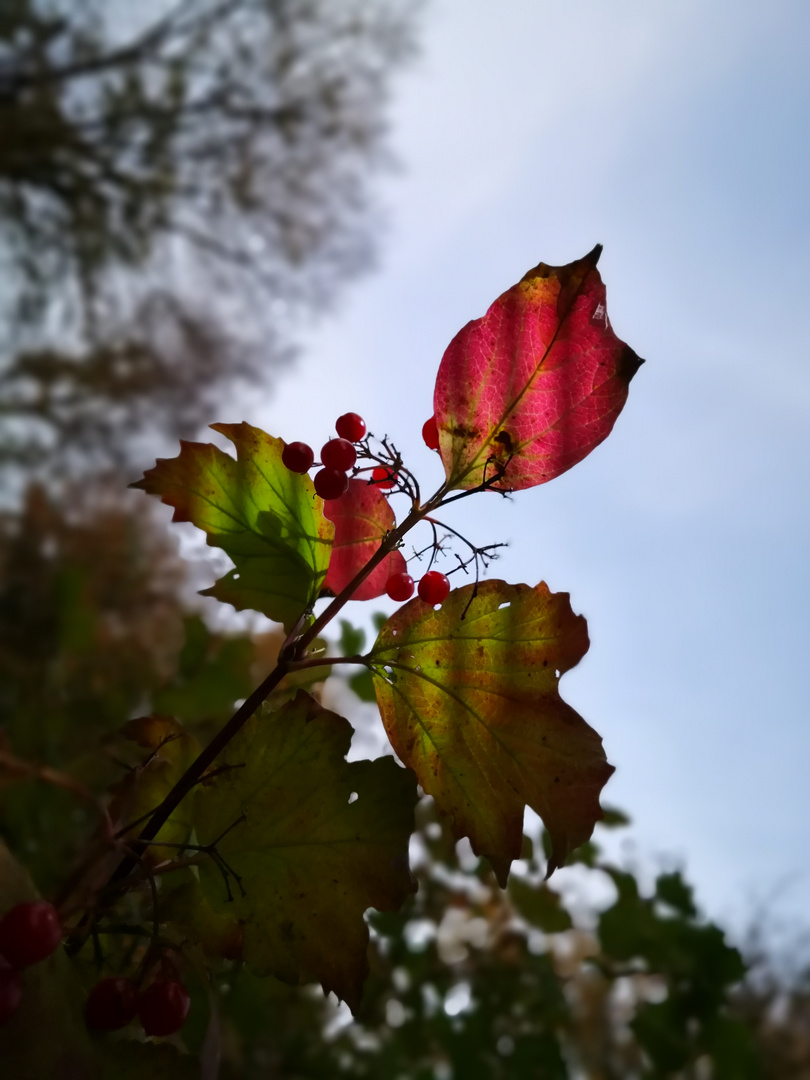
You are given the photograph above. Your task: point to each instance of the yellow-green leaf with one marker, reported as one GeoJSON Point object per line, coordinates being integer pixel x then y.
{"type": "Point", "coordinates": [267, 519]}
{"type": "Point", "coordinates": [321, 841]}
{"type": "Point", "coordinates": [469, 698]}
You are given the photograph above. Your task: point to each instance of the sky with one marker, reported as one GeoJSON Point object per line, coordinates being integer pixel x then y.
{"type": "Point", "coordinates": [676, 134]}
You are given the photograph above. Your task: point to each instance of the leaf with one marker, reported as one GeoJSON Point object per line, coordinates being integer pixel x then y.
{"type": "Point", "coordinates": [311, 861]}
{"type": "Point", "coordinates": [539, 905]}
{"type": "Point", "coordinates": [352, 639]}
{"type": "Point", "coordinates": [183, 903]}
{"type": "Point", "coordinates": [362, 518]}
{"type": "Point", "coordinates": [145, 787]}
{"type": "Point", "coordinates": [535, 384]}
{"type": "Point", "coordinates": [468, 695]}
{"type": "Point", "coordinates": [266, 518]}
{"type": "Point", "coordinates": [213, 673]}
{"type": "Point", "coordinates": [676, 893]}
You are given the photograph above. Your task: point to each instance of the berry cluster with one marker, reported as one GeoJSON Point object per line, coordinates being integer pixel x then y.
{"type": "Point", "coordinates": [29, 933]}
{"type": "Point", "coordinates": [337, 457]}
{"type": "Point", "coordinates": [113, 1003]}
{"type": "Point", "coordinates": [434, 588]}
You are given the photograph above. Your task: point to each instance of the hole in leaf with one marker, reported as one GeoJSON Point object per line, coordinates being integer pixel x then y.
{"type": "Point", "coordinates": [557, 672]}
{"type": "Point", "coordinates": [506, 603]}
{"type": "Point", "coordinates": [353, 797]}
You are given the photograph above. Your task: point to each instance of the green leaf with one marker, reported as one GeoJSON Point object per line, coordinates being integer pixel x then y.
{"type": "Point", "coordinates": [352, 639]}
{"type": "Point", "coordinates": [673, 890]}
{"type": "Point", "coordinates": [213, 674]}
{"type": "Point", "coordinates": [266, 518]}
{"type": "Point", "coordinates": [539, 905]}
{"type": "Point", "coordinates": [468, 695]}
{"type": "Point", "coordinates": [363, 685]}
{"type": "Point", "coordinates": [311, 856]}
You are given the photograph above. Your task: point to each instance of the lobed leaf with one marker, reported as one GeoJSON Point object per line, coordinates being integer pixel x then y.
{"type": "Point", "coordinates": [536, 384]}
{"type": "Point", "coordinates": [266, 518]}
{"type": "Point", "coordinates": [310, 860]}
{"type": "Point", "coordinates": [362, 518]}
{"type": "Point", "coordinates": [469, 699]}
{"type": "Point", "coordinates": [172, 750]}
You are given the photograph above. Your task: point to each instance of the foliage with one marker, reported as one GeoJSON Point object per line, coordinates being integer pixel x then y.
{"type": "Point", "coordinates": [243, 853]}
{"type": "Point", "coordinates": [157, 153]}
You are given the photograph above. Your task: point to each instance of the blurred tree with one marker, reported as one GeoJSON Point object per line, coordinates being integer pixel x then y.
{"type": "Point", "coordinates": [179, 180]}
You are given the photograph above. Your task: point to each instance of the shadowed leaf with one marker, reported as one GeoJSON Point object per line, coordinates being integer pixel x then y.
{"type": "Point", "coordinates": [362, 517]}
{"type": "Point", "coordinates": [311, 856]}
{"type": "Point", "coordinates": [534, 385]}
{"type": "Point", "coordinates": [266, 518]}
{"type": "Point", "coordinates": [470, 703]}
{"type": "Point", "coordinates": [171, 750]}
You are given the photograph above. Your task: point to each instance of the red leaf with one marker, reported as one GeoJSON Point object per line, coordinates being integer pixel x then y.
{"type": "Point", "coordinates": [362, 517]}
{"type": "Point", "coordinates": [535, 384]}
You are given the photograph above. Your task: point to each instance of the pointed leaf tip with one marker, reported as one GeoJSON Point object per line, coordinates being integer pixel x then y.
{"type": "Point", "coordinates": [531, 388]}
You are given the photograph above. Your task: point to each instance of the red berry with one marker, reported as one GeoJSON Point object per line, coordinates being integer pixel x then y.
{"type": "Point", "coordinates": [163, 1007]}
{"type": "Point", "coordinates": [331, 483]}
{"type": "Point", "coordinates": [298, 457]}
{"type": "Point", "coordinates": [350, 426]}
{"type": "Point", "coordinates": [434, 588]}
{"type": "Point", "coordinates": [338, 454]}
{"type": "Point", "coordinates": [430, 433]}
{"type": "Point", "coordinates": [111, 1004]}
{"type": "Point", "coordinates": [400, 586]}
{"type": "Point", "coordinates": [29, 933]}
{"type": "Point", "coordinates": [383, 478]}
{"type": "Point", "coordinates": [11, 992]}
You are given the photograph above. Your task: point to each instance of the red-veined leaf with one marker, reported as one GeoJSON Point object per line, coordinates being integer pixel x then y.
{"type": "Point", "coordinates": [469, 698]}
{"type": "Point", "coordinates": [534, 385]}
{"type": "Point", "coordinates": [362, 517]}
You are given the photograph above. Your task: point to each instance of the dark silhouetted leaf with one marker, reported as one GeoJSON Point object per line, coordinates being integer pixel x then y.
{"type": "Point", "coordinates": [311, 857]}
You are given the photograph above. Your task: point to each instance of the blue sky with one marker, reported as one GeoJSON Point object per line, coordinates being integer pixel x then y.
{"type": "Point", "coordinates": [676, 134]}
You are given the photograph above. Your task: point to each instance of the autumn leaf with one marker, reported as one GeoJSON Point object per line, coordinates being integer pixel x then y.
{"type": "Point", "coordinates": [321, 841]}
{"type": "Point", "coordinates": [171, 749]}
{"type": "Point", "coordinates": [469, 698]}
{"type": "Point", "coordinates": [536, 384]}
{"type": "Point", "coordinates": [267, 519]}
{"type": "Point", "coordinates": [362, 518]}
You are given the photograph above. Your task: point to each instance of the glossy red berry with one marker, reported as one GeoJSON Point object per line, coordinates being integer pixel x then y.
{"type": "Point", "coordinates": [400, 586]}
{"type": "Point", "coordinates": [350, 426]}
{"type": "Point", "coordinates": [298, 457]}
{"type": "Point", "coordinates": [331, 483]}
{"type": "Point", "coordinates": [29, 932]}
{"type": "Point", "coordinates": [434, 588]}
{"type": "Point", "coordinates": [430, 433]}
{"type": "Point", "coordinates": [338, 454]}
{"type": "Point", "coordinates": [163, 1007]}
{"type": "Point", "coordinates": [111, 1004]}
{"type": "Point", "coordinates": [11, 992]}
{"type": "Point", "coordinates": [383, 478]}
